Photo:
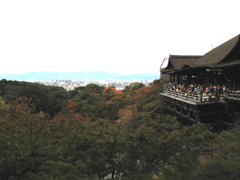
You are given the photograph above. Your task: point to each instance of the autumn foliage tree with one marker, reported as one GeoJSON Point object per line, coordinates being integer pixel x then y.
{"type": "Point", "coordinates": [100, 133]}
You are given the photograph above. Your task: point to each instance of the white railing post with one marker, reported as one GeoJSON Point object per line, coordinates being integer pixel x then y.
{"type": "Point", "coordinates": [200, 98]}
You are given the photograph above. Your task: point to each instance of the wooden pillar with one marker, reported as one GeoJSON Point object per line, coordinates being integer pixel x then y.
{"type": "Point", "coordinates": [175, 109]}
{"type": "Point", "coordinates": [189, 78]}
{"type": "Point", "coordinates": [200, 98]}
{"type": "Point", "coordinates": [188, 113]}
{"type": "Point", "coordinates": [181, 116]}
{"type": "Point", "coordinates": [173, 77]}
{"type": "Point", "coordinates": [197, 116]}
{"type": "Point", "coordinates": [188, 116]}
{"type": "Point", "coordinates": [178, 78]}
{"type": "Point", "coordinates": [220, 118]}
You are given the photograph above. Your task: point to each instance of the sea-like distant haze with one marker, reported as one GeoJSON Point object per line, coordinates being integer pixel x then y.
{"type": "Point", "coordinates": [83, 75]}
{"type": "Point", "coordinates": [127, 36]}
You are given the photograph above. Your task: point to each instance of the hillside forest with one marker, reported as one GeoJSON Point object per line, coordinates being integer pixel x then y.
{"type": "Point", "coordinates": [96, 132]}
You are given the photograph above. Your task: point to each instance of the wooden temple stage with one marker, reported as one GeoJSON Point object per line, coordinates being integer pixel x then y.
{"type": "Point", "coordinates": [212, 110]}
{"type": "Point", "coordinates": [218, 67]}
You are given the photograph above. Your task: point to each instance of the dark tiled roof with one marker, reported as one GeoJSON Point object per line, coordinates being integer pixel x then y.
{"type": "Point", "coordinates": [227, 54]}
{"type": "Point", "coordinates": [178, 62]}
{"type": "Point", "coordinates": [227, 64]}
{"type": "Point", "coordinates": [219, 54]}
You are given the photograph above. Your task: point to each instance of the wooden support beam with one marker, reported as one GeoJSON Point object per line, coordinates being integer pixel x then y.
{"type": "Point", "coordinates": [178, 79]}
{"type": "Point", "coordinates": [220, 117]}
{"type": "Point", "coordinates": [226, 123]}
{"type": "Point", "coordinates": [197, 116]}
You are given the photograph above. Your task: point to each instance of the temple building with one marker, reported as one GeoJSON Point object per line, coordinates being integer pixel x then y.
{"type": "Point", "coordinates": [205, 88]}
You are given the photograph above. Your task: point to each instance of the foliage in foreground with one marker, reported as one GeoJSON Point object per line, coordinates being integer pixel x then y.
{"type": "Point", "coordinates": [101, 132]}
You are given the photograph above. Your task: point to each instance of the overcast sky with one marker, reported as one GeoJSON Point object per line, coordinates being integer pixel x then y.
{"type": "Point", "coordinates": [124, 36]}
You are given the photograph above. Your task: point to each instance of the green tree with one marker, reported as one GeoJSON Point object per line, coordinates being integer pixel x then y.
{"type": "Point", "coordinates": [24, 140]}
{"type": "Point", "coordinates": [2, 103]}
{"type": "Point", "coordinates": [135, 85]}
{"type": "Point", "coordinates": [185, 163]}
{"type": "Point", "coordinates": [68, 158]}
{"type": "Point", "coordinates": [222, 158]}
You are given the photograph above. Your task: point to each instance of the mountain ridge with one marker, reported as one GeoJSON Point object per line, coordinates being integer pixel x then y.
{"type": "Point", "coordinates": [79, 75]}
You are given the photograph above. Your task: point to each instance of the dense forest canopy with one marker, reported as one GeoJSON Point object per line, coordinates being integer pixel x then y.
{"type": "Point", "coordinates": [97, 132]}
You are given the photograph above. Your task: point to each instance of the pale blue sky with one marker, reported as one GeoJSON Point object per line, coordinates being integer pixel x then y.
{"type": "Point", "coordinates": [122, 36]}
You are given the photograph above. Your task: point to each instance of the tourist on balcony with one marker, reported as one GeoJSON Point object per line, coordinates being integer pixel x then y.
{"type": "Point", "coordinates": [195, 90]}
{"type": "Point", "coordinates": [207, 91]}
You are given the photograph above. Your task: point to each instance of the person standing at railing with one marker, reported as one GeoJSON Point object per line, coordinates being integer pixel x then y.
{"type": "Point", "coordinates": [211, 92]}
{"type": "Point", "coordinates": [224, 89]}
{"type": "Point", "coordinates": [207, 91]}
{"type": "Point", "coordinates": [185, 90]}
{"type": "Point", "coordinates": [217, 92]}
{"type": "Point", "coordinates": [200, 91]}
{"type": "Point", "coordinates": [195, 90]}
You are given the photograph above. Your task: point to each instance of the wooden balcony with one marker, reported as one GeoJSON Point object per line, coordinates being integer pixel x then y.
{"type": "Point", "coordinates": [208, 109]}
{"type": "Point", "coordinates": [196, 99]}
{"type": "Point", "coordinates": [233, 95]}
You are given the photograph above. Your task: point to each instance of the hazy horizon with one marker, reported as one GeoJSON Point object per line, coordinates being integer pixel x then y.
{"type": "Point", "coordinates": [80, 75]}
{"type": "Point", "coordinates": [77, 72]}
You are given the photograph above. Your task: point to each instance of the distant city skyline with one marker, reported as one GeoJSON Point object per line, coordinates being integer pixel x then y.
{"type": "Point", "coordinates": [71, 85]}
{"type": "Point", "coordinates": [127, 36]}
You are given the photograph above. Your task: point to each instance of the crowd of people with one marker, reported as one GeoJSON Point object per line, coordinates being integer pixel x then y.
{"type": "Point", "coordinates": [206, 89]}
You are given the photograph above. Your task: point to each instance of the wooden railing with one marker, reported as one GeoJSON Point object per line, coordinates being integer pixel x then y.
{"type": "Point", "coordinates": [183, 95]}
{"type": "Point", "coordinates": [200, 98]}
{"type": "Point", "coordinates": [234, 94]}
